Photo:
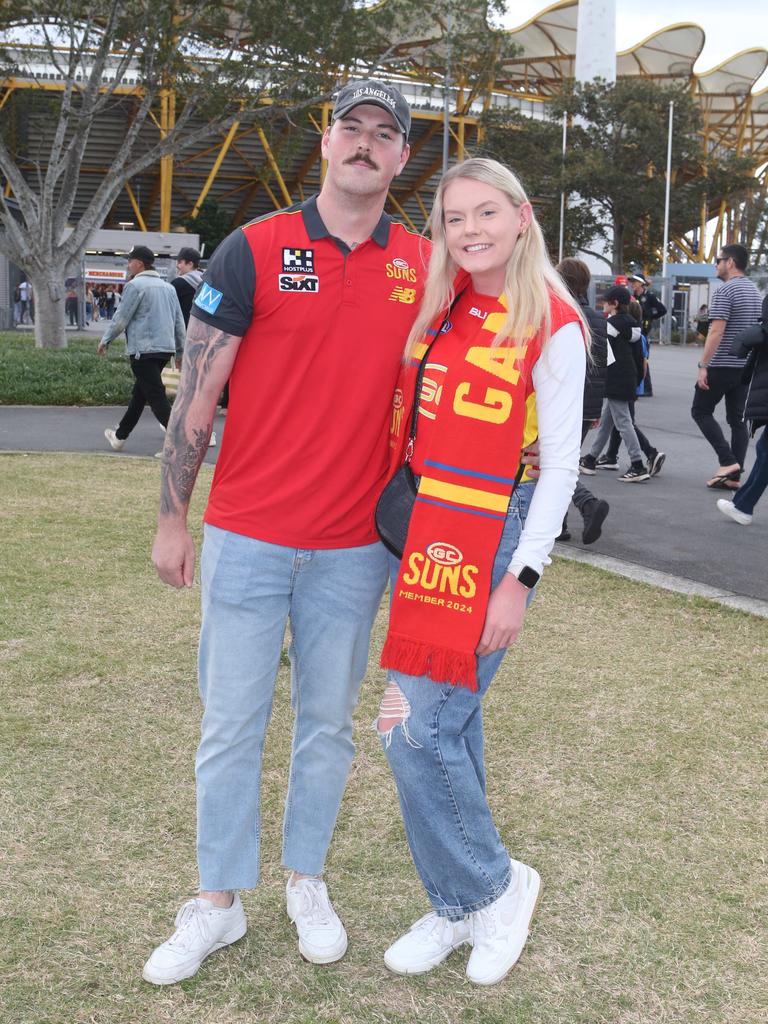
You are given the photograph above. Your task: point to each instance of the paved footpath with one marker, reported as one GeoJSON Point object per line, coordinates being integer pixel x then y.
{"type": "Point", "coordinates": [667, 531]}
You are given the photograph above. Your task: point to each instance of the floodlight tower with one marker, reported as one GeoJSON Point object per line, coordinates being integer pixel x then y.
{"type": "Point", "coordinates": [596, 41]}
{"type": "Point", "coordinates": [595, 58]}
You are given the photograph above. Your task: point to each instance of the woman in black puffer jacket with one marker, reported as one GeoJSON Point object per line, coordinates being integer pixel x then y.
{"type": "Point", "coordinates": [621, 382]}
{"type": "Point", "coordinates": [753, 343]}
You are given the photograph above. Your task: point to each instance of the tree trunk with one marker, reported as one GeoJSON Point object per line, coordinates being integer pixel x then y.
{"type": "Point", "coordinates": [48, 291]}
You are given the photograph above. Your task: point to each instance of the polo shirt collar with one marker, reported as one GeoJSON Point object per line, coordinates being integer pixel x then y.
{"type": "Point", "coordinates": [316, 229]}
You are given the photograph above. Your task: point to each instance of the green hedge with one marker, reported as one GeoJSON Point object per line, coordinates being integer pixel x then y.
{"type": "Point", "coordinates": [71, 376]}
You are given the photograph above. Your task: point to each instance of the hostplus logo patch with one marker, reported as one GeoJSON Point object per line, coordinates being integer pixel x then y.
{"type": "Point", "coordinates": [298, 261]}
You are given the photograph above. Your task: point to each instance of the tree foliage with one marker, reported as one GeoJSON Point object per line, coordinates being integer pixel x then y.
{"type": "Point", "coordinates": [262, 60]}
{"type": "Point", "coordinates": [615, 164]}
{"type": "Point", "coordinates": [211, 224]}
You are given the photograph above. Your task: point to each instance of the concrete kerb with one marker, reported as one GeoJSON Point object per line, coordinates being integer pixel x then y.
{"type": "Point", "coordinates": [663, 580]}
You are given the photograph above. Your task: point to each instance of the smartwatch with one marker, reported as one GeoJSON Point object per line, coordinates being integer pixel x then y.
{"type": "Point", "coordinates": [528, 577]}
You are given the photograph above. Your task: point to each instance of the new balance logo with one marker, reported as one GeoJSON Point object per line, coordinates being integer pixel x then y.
{"type": "Point", "coordinates": [208, 298]}
{"type": "Point", "coordinates": [402, 294]}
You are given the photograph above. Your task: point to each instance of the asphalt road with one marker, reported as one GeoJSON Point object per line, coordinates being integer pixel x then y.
{"type": "Point", "coordinates": [669, 524]}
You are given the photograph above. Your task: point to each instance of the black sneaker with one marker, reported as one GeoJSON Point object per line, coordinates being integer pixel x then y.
{"type": "Point", "coordinates": [655, 462]}
{"type": "Point", "coordinates": [587, 465]}
{"type": "Point", "coordinates": [636, 473]}
{"type": "Point", "coordinates": [564, 534]}
{"type": "Point", "coordinates": [594, 516]}
{"type": "Point", "coordinates": [606, 462]}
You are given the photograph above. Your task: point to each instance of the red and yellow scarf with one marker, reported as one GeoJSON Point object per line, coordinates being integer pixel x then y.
{"type": "Point", "coordinates": [441, 595]}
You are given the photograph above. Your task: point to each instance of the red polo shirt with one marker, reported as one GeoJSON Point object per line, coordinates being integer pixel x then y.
{"type": "Point", "coordinates": [305, 450]}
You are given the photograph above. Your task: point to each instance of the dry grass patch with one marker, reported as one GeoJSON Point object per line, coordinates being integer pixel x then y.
{"type": "Point", "coordinates": [623, 763]}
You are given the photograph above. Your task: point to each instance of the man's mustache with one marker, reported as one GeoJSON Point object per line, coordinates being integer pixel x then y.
{"type": "Point", "coordinates": [362, 158]}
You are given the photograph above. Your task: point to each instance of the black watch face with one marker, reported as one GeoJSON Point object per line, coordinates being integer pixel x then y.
{"type": "Point", "coordinates": [528, 577]}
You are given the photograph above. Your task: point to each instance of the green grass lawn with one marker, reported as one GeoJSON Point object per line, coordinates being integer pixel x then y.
{"type": "Point", "coordinates": [71, 376]}
{"type": "Point", "coordinates": [624, 762]}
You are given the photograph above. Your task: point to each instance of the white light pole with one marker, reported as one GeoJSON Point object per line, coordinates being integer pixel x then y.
{"type": "Point", "coordinates": [562, 195]}
{"type": "Point", "coordinates": [447, 91]}
{"type": "Point", "coordinates": [669, 185]}
{"type": "Point", "coordinates": [667, 329]}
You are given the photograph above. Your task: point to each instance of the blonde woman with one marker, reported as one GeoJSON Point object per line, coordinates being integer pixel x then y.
{"type": "Point", "coordinates": [506, 363]}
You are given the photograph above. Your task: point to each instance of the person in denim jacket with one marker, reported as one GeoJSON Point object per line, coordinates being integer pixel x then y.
{"type": "Point", "coordinates": [150, 316]}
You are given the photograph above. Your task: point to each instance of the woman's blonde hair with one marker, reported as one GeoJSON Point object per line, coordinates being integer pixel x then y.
{"type": "Point", "coordinates": [530, 280]}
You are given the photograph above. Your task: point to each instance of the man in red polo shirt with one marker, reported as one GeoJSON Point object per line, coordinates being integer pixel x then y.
{"type": "Point", "coordinates": [305, 312]}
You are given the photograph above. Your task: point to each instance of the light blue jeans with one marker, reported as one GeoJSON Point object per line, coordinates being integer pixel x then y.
{"type": "Point", "coordinates": [437, 759]}
{"type": "Point", "coordinates": [250, 589]}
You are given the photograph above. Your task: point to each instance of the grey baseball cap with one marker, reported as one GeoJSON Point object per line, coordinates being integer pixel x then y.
{"type": "Point", "coordinates": [380, 94]}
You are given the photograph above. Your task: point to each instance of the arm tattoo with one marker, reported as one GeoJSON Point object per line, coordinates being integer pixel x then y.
{"type": "Point", "coordinates": [186, 443]}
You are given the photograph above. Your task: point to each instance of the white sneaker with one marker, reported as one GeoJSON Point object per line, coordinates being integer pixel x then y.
{"type": "Point", "coordinates": [201, 929]}
{"type": "Point", "coordinates": [322, 938]}
{"type": "Point", "coordinates": [117, 443]}
{"type": "Point", "coordinates": [500, 931]}
{"type": "Point", "coordinates": [212, 442]}
{"type": "Point", "coordinates": [430, 940]}
{"type": "Point", "coordinates": [730, 510]}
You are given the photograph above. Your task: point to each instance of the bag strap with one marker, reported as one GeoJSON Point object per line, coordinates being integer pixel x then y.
{"type": "Point", "coordinates": [422, 367]}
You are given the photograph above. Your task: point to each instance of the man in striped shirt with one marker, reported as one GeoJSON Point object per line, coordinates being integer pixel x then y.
{"type": "Point", "coordinates": [734, 306]}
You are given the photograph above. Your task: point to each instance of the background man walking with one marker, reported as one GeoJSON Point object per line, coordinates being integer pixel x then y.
{"type": "Point", "coordinates": [188, 281]}
{"type": "Point", "coordinates": [151, 317]}
{"type": "Point", "coordinates": [734, 306]}
{"type": "Point", "coordinates": [308, 309]}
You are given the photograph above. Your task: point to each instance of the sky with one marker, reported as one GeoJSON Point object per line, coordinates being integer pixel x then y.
{"type": "Point", "coordinates": [729, 25]}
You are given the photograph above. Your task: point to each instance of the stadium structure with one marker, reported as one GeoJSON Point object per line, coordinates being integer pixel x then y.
{"type": "Point", "coordinates": [250, 171]}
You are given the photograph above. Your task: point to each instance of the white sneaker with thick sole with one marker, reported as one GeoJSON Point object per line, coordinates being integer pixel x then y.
{"type": "Point", "coordinates": [730, 510]}
{"type": "Point", "coordinates": [500, 931]}
{"type": "Point", "coordinates": [116, 442]}
{"type": "Point", "coordinates": [322, 938]}
{"type": "Point", "coordinates": [430, 941]}
{"type": "Point", "coordinates": [201, 929]}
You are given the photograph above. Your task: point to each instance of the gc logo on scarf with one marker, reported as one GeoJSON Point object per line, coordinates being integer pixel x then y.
{"type": "Point", "coordinates": [444, 554]}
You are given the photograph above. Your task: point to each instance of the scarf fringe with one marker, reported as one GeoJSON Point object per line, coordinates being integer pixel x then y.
{"type": "Point", "coordinates": [419, 658]}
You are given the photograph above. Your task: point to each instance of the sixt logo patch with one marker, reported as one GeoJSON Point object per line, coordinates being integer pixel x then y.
{"type": "Point", "coordinates": [298, 261]}
{"type": "Point", "coordinates": [208, 298]}
{"type": "Point", "coordinates": [444, 554]}
{"type": "Point", "coordinates": [299, 283]}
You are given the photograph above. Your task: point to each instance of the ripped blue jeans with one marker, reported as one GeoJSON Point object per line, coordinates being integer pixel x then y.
{"type": "Point", "coordinates": [436, 756]}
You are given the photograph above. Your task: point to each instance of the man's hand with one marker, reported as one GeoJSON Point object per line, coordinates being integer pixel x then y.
{"type": "Point", "coordinates": [701, 380]}
{"type": "Point", "coordinates": [504, 617]}
{"type": "Point", "coordinates": [173, 555]}
{"type": "Point", "coordinates": [101, 349]}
